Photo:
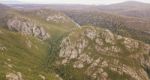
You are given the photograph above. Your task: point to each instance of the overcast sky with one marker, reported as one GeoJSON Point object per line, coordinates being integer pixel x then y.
{"type": "Point", "coordinates": [74, 1]}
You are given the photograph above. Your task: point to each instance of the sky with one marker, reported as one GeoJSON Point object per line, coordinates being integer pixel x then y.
{"type": "Point", "coordinates": [91, 2]}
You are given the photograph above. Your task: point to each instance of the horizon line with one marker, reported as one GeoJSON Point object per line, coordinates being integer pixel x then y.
{"type": "Point", "coordinates": [28, 3]}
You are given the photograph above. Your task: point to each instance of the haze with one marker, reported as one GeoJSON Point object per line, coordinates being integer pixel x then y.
{"type": "Point", "coordinates": [69, 1]}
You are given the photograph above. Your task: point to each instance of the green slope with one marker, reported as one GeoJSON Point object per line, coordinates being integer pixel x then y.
{"type": "Point", "coordinates": [26, 54]}
{"type": "Point", "coordinates": [92, 53]}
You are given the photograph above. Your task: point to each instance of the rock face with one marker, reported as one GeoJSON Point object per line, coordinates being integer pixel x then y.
{"type": "Point", "coordinates": [52, 16]}
{"type": "Point", "coordinates": [105, 56]}
{"type": "Point", "coordinates": [26, 26]}
{"type": "Point", "coordinates": [14, 76]}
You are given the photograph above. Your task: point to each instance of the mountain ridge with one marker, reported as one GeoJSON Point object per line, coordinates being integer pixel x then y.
{"type": "Point", "coordinates": [45, 42]}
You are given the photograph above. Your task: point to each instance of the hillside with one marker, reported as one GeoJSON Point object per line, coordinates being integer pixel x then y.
{"type": "Point", "coordinates": [25, 42]}
{"type": "Point", "coordinates": [21, 57]}
{"type": "Point", "coordinates": [4, 9]}
{"type": "Point", "coordinates": [125, 6]}
{"type": "Point", "coordinates": [129, 8]}
{"type": "Point", "coordinates": [127, 26]}
{"type": "Point", "coordinates": [74, 42]}
{"type": "Point", "coordinates": [55, 22]}
{"type": "Point", "coordinates": [94, 54]}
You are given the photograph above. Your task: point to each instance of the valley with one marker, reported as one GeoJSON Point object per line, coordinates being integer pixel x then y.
{"type": "Point", "coordinates": [75, 42]}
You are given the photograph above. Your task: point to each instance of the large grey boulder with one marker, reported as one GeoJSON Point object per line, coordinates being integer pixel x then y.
{"type": "Point", "coordinates": [27, 27]}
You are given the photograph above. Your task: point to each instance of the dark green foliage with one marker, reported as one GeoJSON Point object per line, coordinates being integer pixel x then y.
{"type": "Point", "coordinates": [114, 23]}
{"type": "Point", "coordinates": [67, 72]}
{"type": "Point", "coordinates": [53, 51]}
{"type": "Point", "coordinates": [2, 76]}
{"type": "Point", "coordinates": [115, 76]}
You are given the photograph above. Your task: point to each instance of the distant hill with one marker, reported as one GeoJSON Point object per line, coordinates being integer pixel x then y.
{"type": "Point", "coordinates": [11, 2]}
{"type": "Point", "coordinates": [128, 26]}
{"type": "Point", "coordinates": [4, 7]}
{"type": "Point", "coordinates": [132, 14]}
{"type": "Point", "coordinates": [130, 8]}
{"type": "Point", "coordinates": [129, 5]}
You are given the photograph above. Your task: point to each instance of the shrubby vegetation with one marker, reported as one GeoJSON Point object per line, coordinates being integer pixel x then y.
{"type": "Point", "coordinates": [116, 24]}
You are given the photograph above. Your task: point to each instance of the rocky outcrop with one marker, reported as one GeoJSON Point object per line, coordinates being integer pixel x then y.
{"type": "Point", "coordinates": [42, 77]}
{"type": "Point", "coordinates": [52, 16]}
{"type": "Point", "coordinates": [26, 26]}
{"type": "Point", "coordinates": [56, 18]}
{"type": "Point", "coordinates": [101, 54]}
{"type": "Point", "coordinates": [14, 76]}
{"type": "Point", "coordinates": [3, 49]}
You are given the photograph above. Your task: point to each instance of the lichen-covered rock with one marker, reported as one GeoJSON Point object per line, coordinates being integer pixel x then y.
{"type": "Point", "coordinates": [101, 54]}
{"type": "Point", "coordinates": [52, 16]}
{"type": "Point", "coordinates": [71, 51]}
{"type": "Point", "coordinates": [131, 44]}
{"type": "Point", "coordinates": [14, 76]}
{"type": "Point", "coordinates": [26, 26]}
{"type": "Point", "coordinates": [90, 33]}
{"type": "Point", "coordinates": [2, 48]}
{"type": "Point", "coordinates": [42, 77]}
{"type": "Point", "coordinates": [99, 41]}
{"type": "Point", "coordinates": [108, 36]}
{"type": "Point", "coordinates": [56, 18]}
{"type": "Point", "coordinates": [82, 60]}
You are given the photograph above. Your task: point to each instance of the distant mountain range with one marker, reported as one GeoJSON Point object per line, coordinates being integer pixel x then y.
{"type": "Point", "coordinates": [11, 2]}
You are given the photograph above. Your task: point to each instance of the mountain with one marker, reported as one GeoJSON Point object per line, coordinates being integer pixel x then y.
{"type": "Point", "coordinates": [25, 41]}
{"type": "Point", "coordinates": [129, 8]}
{"type": "Point", "coordinates": [11, 2]}
{"type": "Point", "coordinates": [92, 53]}
{"type": "Point", "coordinates": [3, 6]}
{"type": "Point", "coordinates": [129, 5]}
{"type": "Point", "coordinates": [132, 16]}
{"type": "Point", "coordinates": [73, 42]}
{"type": "Point", "coordinates": [127, 26]}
